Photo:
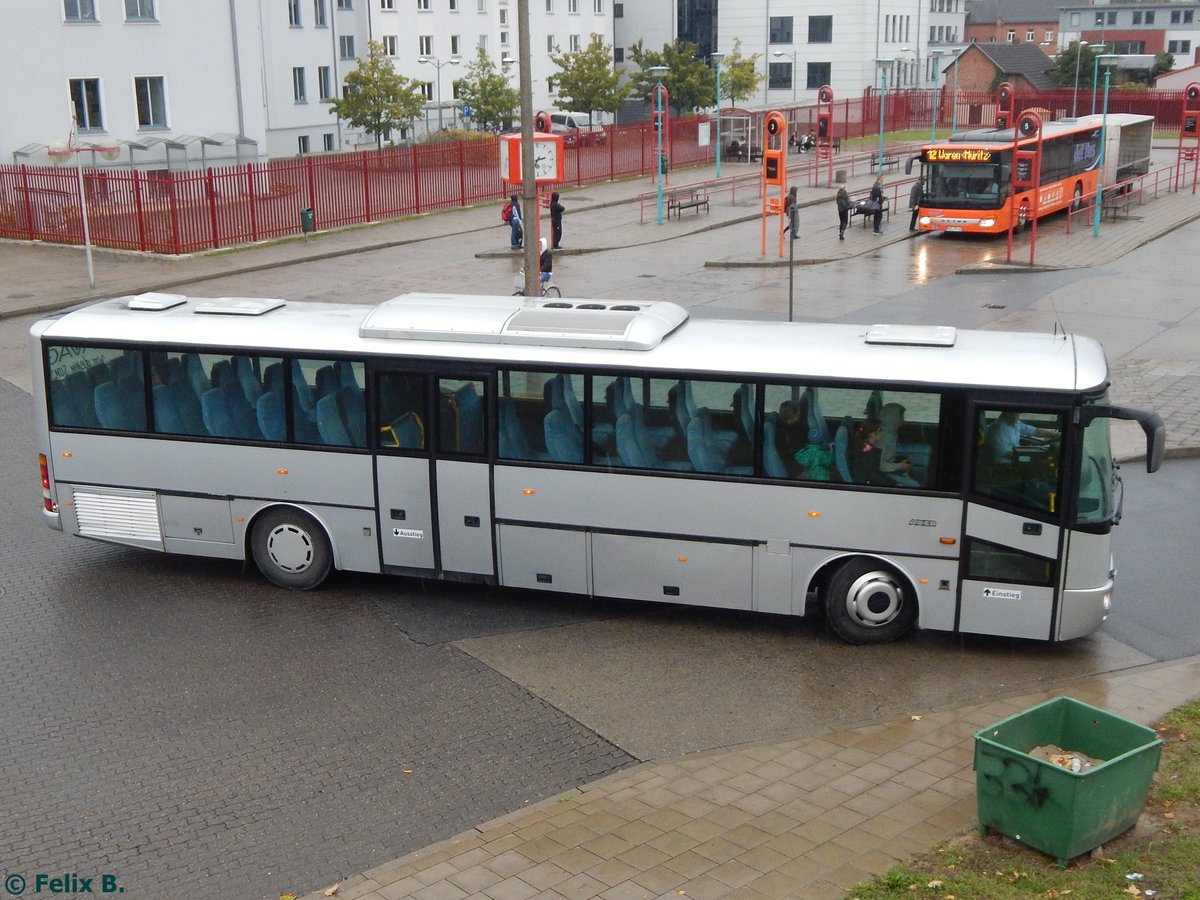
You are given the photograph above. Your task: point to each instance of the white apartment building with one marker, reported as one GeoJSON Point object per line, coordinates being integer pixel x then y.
{"type": "Point", "coordinates": [176, 83]}
{"type": "Point", "coordinates": [804, 44]}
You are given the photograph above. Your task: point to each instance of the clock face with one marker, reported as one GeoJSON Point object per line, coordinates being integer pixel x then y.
{"type": "Point", "coordinates": [545, 161]}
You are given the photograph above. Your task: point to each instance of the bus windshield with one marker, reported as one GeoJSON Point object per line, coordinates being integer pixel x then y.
{"type": "Point", "coordinates": [1097, 476]}
{"type": "Point", "coordinates": [964, 186]}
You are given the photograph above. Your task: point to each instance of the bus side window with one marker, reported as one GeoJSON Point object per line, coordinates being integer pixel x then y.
{"type": "Point", "coordinates": [402, 414]}
{"type": "Point", "coordinates": [461, 410]}
{"type": "Point", "coordinates": [1018, 458]}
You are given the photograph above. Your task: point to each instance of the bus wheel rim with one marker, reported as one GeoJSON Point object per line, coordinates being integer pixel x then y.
{"type": "Point", "coordinates": [874, 599]}
{"type": "Point", "coordinates": [290, 548]}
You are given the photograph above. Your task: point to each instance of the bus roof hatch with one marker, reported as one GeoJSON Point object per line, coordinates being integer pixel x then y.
{"type": "Point", "coordinates": [913, 335]}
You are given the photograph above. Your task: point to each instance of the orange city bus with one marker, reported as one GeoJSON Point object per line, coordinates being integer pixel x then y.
{"type": "Point", "coordinates": [967, 180]}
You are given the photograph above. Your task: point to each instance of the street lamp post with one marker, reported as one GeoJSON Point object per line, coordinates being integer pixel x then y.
{"type": "Point", "coordinates": [1096, 73]}
{"type": "Point", "coordinates": [781, 53]}
{"type": "Point", "coordinates": [60, 153]}
{"type": "Point", "coordinates": [1103, 140]}
{"type": "Point", "coordinates": [437, 64]}
{"type": "Point", "coordinates": [716, 60]}
{"type": "Point", "coordinates": [936, 54]}
{"type": "Point", "coordinates": [1079, 45]}
{"type": "Point", "coordinates": [882, 63]}
{"type": "Point", "coordinates": [658, 72]}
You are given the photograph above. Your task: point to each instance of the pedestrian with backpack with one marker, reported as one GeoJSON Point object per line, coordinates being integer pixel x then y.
{"type": "Point", "coordinates": [510, 212]}
{"type": "Point", "coordinates": [843, 208]}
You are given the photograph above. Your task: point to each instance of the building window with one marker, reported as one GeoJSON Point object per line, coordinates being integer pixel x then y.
{"type": "Point", "coordinates": [618, 55]}
{"type": "Point", "coordinates": [483, 42]}
{"type": "Point", "coordinates": [387, 5]}
{"type": "Point", "coordinates": [453, 5]}
{"type": "Point", "coordinates": [820, 29]}
{"type": "Point", "coordinates": [550, 45]}
{"type": "Point", "coordinates": [779, 75]}
{"type": "Point", "coordinates": [1141, 17]}
{"type": "Point", "coordinates": [1179, 46]}
{"type": "Point", "coordinates": [549, 6]}
{"type": "Point", "coordinates": [151, 101]}
{"type": "Point", "coordinates": [344, 4]}
{"type": "Point", "coordinates": [481, 5]}
{"type": "Point", "coordinates": [327, 141]}
{"type": "Point", "coordinates": [427, 91]}
{"type": "Point", "coordinates": [390, 42]}
{"type": "Point", "coordinates": [503, 17]}
{"type": "Point", "coordinates": [346, 45]}
{"type": "Point", "coordinates": [1106, 18]}
{"type": "Point", "coordinates": [1048, 36]}
{"type": "Point", "coordinates": [85, 96]}
{"type": "Point", "coordinates": [299, 92]}
{"type": "Point", "coordinates": [551, 85]}
{"type": "Point", "coordinates": [455, 45]}
{"type": "Point", "coordinates": [423, 6]}
{"type": "Point", "coordinates": [1012, 36]}
{"type": "Point", "coordinates": [1181, 16]}
{"type": "Point", "coordinates": [139, 10]}
{"type": "Point", "coordinates": [1029, 36]}
{"type": "Point", "coordinates": [294, 13]}
{"type": "Point", "coordinates": [425, 44]}
{"type": "Point", "coordinates": [598, 7]}
{"type": "Point", "coordinates": [79, 10]}
{"type": "Point", "coordinates": [618, 10]}
{"type": "Point", "coordinates": [781, 29]}
{"type": "Point", "coordinates": [302, 144]}
{"type": "Point", "coordinates": [319, 18]}
{"type": "Point", "coordinates": [819, 73]}
{"type": "Point", "coordinates": [325, 82]}
{"type": "Point", "coordinates": [572, 6]}
{"type": "Point", "coordinates": [504, 39]}
{"type": "Point", "coordinates": [574, 40]}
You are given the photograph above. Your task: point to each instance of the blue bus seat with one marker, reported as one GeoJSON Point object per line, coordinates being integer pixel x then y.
{"type": "Point", "coordinates": [194, 371]}
{"type": "Point", "coordinates": [82, 393]}
{"type": "Point", "coordinates": [272, 420]}
{"type": "Point", "coordinates": [247, 378]}
{"type": "Point", "coordinates": [815, 418]}
{"type": "Point", "coordinates": [469, 411]}
{"type": "Point", "coordinates": [772, 462]}
{"type": "Point", "coordinates": [574, 408]}
{"type": "Point", "coordinates": [563, 440]}
{"type": "Point", "coordinates": [166, 417]}
{"type": "Point", "coordinates": [332, 427]}
{"type": "Point", "coordinates": [841, 449]}
{"type": "Point", "coordinates": [110, 408]}
{"type": "Point", "coordinates": [326, 381]}
{"type": "Point", "coordinates": [217, 420]}
{"type": "Point", "coordinates": [513, 441]}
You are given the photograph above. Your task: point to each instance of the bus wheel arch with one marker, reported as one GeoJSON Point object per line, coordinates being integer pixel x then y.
{"type": "Point", "coordinates": [291, 547]}
{"type": "Point", "coordinates": [868, 601]}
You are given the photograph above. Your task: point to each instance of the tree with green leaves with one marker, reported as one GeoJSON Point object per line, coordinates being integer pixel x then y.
{"type": "Point", "coordinates": [587, 80]}
{"type": "Point", "coordinates": [690, 82]}
{"type": "Point", "coordinates": [740, 78]}
{"type": "Point", "coordinates": [1072, 59]}
{"type": "Point", "coordinates": [376, 97]}
{"type": "Point", "coordinates": [486, 89]}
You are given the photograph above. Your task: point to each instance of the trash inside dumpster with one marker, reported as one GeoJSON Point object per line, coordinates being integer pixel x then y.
{"type": "Point", "coordinates": [1063, 777]}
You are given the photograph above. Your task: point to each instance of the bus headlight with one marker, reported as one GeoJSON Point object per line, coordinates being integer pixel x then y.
{"type": "Point", "coordinates": [986, 223]}
{"type": "Point", "coordinates": [925, 220]}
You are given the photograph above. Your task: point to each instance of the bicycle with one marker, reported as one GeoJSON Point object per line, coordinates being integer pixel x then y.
{"type": "Point", "coordinates": [549, 288]}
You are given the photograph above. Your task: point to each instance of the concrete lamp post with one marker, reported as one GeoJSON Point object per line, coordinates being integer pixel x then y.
{"type": "Point", "coordinates": [60, 153]}
{"type": "Point", "coordinates": [936, 55]}
{"type": "Point", "coordinates": [1097, 207]}
{"type": "Point", "coordinates": [658, 72]}
{"type": "Point", "coordinates": [1079, 45]}
{"type": "Point", "coordinates": [882, 64]}
{"type": "Point", "coordinates": [716, 61]}
{"type": "Point", "coordinates": [437, 64]}
{"type": "Point", "coordinates": [780, 54]}
{"type": "Point", "coordinates": [1096, 72]}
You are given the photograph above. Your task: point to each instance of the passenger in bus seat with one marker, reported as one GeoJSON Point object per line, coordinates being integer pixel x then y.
{"type": "Point", "coordinates": [866, 455]}
{"type": "Point", "coordinates": [899, 470]}
{"type": "Point", "coordinates": [815, 458]}
{"type": "Point", "coordinates": [791, 434]}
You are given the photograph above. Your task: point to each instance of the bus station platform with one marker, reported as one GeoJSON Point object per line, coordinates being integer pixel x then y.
{"type": "Point", "coordinates": [806, 816]}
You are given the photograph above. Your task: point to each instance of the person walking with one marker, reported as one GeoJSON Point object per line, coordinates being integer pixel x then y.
{"type": "Point", "coordinates": [789, 201]}
{"type": "Point", "coordinates": [843, 208]}
{"type": "Point", "coordinates": [556, 214]}
{"type": "Point", "coordinates": [915, 196]}
{"type": "Point", "coordinates": [516, 232]}
{"type": "Point", "coordinates": [545, 264]}
{"type": "Point", "coordinates": [876, 199]}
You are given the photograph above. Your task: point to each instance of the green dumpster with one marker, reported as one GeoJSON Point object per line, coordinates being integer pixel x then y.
{"type": "Point", "coordinates": [1054, 809]}
{"type": "Point", "coordinates": [663, 165]}
{"type": "Point", "coordinates": [306, 219]}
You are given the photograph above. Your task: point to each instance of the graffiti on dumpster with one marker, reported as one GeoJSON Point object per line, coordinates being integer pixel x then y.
{"type": "Point", "coordinates": [1012, 778]}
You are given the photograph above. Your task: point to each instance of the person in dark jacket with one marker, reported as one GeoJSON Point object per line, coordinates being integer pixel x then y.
{"type": "Point", "coordinates": [866, 455]}
{"type": "Point", "coordinates": [514, 223]}
{"type": "Point", "coordinates": [915, 196]}
{"type": "Point", "coordinates": [876, 198]}
{"type": "Point", "coordinates": [556, 214]}
{"type": "Point", "coordinates": [843, 206]}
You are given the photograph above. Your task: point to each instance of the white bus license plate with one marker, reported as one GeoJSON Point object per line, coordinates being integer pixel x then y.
{"type": "Point", "coordinates": [954, 228]}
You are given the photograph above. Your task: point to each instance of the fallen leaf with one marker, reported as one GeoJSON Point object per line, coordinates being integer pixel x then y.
{"type": "Point", "coordinates": [332, 890]}
{"type": "Point", "coordinates": [935, 884]}
{"type": "Point", "coordinates": [1133, 891]}
{"type": "Point", "coordinates": [1182, 736]}
{"type": "Point", "coordinates": [407, 771]}
{"type": "Point", "coordinates": [915, 718]}
{"type": "Point", "coordinates": [288, 896]}
{"type": "Point", "coordinates": [1168, 815]}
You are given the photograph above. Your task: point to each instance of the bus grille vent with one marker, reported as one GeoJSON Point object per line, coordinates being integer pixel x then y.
{"type": "Point", "coordinates": [126, 516]}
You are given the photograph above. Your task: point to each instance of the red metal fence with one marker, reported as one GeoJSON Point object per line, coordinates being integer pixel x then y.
{"type": "Point", "coordinates": [188, 211]}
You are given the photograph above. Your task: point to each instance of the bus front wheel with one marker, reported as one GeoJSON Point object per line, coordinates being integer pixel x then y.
{"type": "Point", "coordinates": [869, 603]}
{"type": "Point", "coordinates": [291, 549]}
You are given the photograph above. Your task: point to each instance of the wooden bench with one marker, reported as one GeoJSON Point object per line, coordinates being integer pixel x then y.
{"type": "Point", "coordinates": [856, 210]}
{"type": "Point", "coordinates": [686, 198]}
{"type": "Point", "coordinates": [889, 161]}
{"type": "Point", "coordinates": [1116, 201]}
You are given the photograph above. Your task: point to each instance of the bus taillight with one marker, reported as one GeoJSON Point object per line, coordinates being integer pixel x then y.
{"type": "Point", "coordinates": [44, 470]}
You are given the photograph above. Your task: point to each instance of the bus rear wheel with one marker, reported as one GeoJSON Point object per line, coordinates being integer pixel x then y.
{"type": "Point", "coordinates": [869, 603]}
{"type": "Point", "coordinates": [291, 549]}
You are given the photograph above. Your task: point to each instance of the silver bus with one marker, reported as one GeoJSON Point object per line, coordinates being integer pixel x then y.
{"type": "Point", "coordinates": [885, 477]}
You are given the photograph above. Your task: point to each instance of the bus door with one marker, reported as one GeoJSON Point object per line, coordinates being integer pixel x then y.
{"type": "Point", "coordinates": [1013, 529]}
{"type": "Point", "coordinates": [433, 481]}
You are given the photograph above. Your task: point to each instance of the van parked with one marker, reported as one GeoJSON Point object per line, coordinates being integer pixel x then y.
{"type": "Point", "coordinates": [576, 127]}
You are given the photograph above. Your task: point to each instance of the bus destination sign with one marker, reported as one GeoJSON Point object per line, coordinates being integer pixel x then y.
{"type": "Point", "coordinates": [957, 155]}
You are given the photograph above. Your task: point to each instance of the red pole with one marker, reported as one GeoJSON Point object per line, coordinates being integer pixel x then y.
{"type": "Point", "coordinates": [28, 204]}
{"type": "Point", "coordinates": [210, 188]}
{"type": "Point", "coordinates": [137, 209]}
{"type": "Point", "coordinates": [250, 195]}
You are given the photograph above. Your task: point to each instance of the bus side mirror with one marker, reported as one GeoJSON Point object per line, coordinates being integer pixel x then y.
{"type": "Point", "coordinates": [1152, 427]}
